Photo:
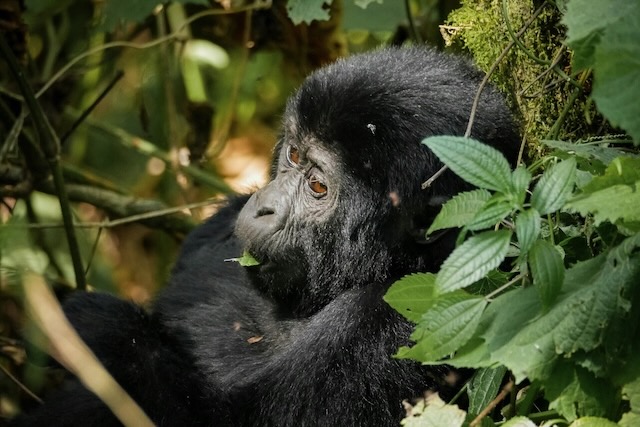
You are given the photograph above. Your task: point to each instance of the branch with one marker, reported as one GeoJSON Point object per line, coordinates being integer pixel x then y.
{"type": "Point", "coordinates": [50, 147]}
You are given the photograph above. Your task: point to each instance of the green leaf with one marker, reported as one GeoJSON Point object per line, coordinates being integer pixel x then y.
{"type": "Point", "coordinates": [616, 87]}
{"type": "Point", "coordinates": [473, 161]}
{"type": "Point", "coordinates": [555, 187]}
{"type": "Point", "coordinates": [246, 260]}
{"type": "Point", "coordinates": [520, 180]}
{"type": "Point", "coordinates": [519, 422]}
{"type": "Point", "coordinates": [528, 342]}
{"type": "Point", "coordinates": [492, 213]}
{"type": "Point", "coordinates": [631, 392]}
{"type": "Point", "coordinates": [461, 209]}
{"type": "Point", "coordinates": [613, 196]}
{"type": "Point", "coordinates": [434, 412]}
{"type": "Point", "coordinates": [447, 326]}
{"type": "Point", "coordinates": [412, 295]}
{"type": "Point", "coordinates": [547, 269]}
{"type": "Point", "coordinates": [308, 10]}
{"type": "Point", "coordinates": [472, 260]}
{"type": "Point", "coordinates": [483, 388]}
{"type": "Point", "coordinates": [474, 354]}
{"type": "Point", "coordinates": [575, 392]}
{"type": "Point", "coordinates": [527, 229]}
{"type": "Point", "coordinates": [593, 422]}
{"type": "Point", "coordinates": [600, 152]}
{"type": "Point", "coordinates": [586, 20]}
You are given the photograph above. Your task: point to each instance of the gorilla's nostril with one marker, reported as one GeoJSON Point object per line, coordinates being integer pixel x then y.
{"type": "Point", "coordinates": [264, 212]}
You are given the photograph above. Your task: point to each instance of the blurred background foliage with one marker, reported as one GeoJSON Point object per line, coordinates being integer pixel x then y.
{"type": "Point", "coordinates": [160, 111]}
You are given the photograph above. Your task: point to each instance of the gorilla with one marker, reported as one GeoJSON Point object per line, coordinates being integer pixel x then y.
{"type": "Point", "coordinates": [304, 338]}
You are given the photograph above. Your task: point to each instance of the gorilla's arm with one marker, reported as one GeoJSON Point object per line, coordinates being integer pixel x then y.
{"type": "Point", "coordinates": [334, 368]}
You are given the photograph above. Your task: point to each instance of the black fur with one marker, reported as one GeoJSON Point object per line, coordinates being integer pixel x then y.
{"type": "Point", "coordinates": [305, 338]}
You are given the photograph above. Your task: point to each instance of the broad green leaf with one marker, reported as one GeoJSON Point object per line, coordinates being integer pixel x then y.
{"type": "Point", "coordinates": [461, 209]}
{"type": "Point", "coordinates": [575, 392]}
{"type": "Point", "coordinates": [519, 422]}
{"type": "Point", "coordinates": [593, 422]}
{"type": "Point", "coordinates": [528, 342]}
{"type": "Point", "coordinates": [474, 354]}
{"type": "Point", "coordinates": [589, 151]}
{"type": "Point", "coordinates": [412, 295]}
{"type": "Point", "coordinates": [616, 87]}
{"type": "Point", "coordinates": [547, 269]}
{"type": "Point", "coordinates": [308, 10]}
{"type": "Point", "coordinates": [619, 202]}
{"type": "Point", "coordinates": [527, 229]}
{"type": "Point", "coordinates": [492, 213]}
{"type": "Point", "coordinates": [434, 412]}
{"type": "Point", "coordinates": [520, 180]}
{"type": "Point", "coordinates": [555, 187]}
{"type": "Point", "coordinates": [483, 388]}
{"type": "Point", "coordinates": [631, 392]}
{"type": "Point", "coordinates": [472, 260]}
{"type": "Point", "coordinates": [622, 170]}
{"type": "Point", "coordinates": [475, 162]}
{"type": "Point", "coordinates": [613, 196]}
{"type": "Point", "coordinates": [586, 21]}
{"type": "Point", "coordinates": [447, 326]}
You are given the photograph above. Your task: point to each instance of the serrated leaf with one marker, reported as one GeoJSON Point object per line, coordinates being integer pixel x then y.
{"type": "Point", "coordinates": [555, 187]}
{"type": "Point", "coordinates": [586, 21]}
{"type": "Point", "coordinates": [619, 202]}
{"type": "Point", "coordinates": [492, 213]}
{"type": "Point", "coordinates": [612, 196]}
{"type": "Point", "coordinates": [616, 87]}
{"type": "Point", "coordinates": [461, 209]}
{"type": "Point", "coordinates": [483, 388]}
{"type": "Point", "coordinates": [412, 295]}
{"type": "Point", "coordinates": [520, 180]}
{"type": "Point", "coordinates": [547, 269]}
{"type": "Point", "coordinates": [575, 392]}
{"type": "Point", "coordinates": [475, 162]}
{"type": "Point", "coordinates": [600, 152]}
{"type": "Point", "coordinates": [308, 10]}
{"type": "Point", "coordinates": [622, 170]}
{"type": "Point", "coordinates": [447, 326]}
{"type": "Point", "coordinates": [472, 260]}
{"type": "Point", "coordinates": [527, 229]}
{"type": "Point", "coordinates": [529, 343]}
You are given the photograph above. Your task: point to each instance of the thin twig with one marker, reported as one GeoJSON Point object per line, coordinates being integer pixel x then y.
{"type": "Point", "coordinates": [94, 104]}
{"type": "Point", "coordinates": [503, 393]}
{"type": "Point", "coordinates": [505, 286]}
{"type": "Point", "coordinates": [483, 83]}
{"type": "Point", "coordinates": [19, 384]}
{"type": "Point", "coordinates": [175, 35]}
{"type": "Point", "coordinates": [50, 147]}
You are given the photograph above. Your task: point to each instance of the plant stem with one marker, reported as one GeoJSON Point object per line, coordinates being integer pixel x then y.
{"type": "Point", "coordinates": [50, 147]}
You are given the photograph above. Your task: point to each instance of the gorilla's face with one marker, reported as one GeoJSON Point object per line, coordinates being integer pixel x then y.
{"type": "Point", "coordinates": [293, 223]}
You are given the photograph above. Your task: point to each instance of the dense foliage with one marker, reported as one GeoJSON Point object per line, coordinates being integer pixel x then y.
{"type": "Point", "coordinates": [541, 295]}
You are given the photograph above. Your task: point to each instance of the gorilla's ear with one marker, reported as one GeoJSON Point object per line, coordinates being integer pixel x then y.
{"type": "Point", "coordinates": [423, 221]}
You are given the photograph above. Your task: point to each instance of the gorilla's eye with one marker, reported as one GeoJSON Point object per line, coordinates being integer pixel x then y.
{"type": "Point", "coordinates": [293, 156]}
{"type": "Point", "coordinates": [318, 187]}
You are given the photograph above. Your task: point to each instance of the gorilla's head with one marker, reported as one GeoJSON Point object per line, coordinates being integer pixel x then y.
{"type": "Point", "coordinates": [344, 207]}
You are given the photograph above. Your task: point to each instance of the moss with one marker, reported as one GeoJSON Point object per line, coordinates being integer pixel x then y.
{"type": "Point", "coordinates": [537, 91]}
